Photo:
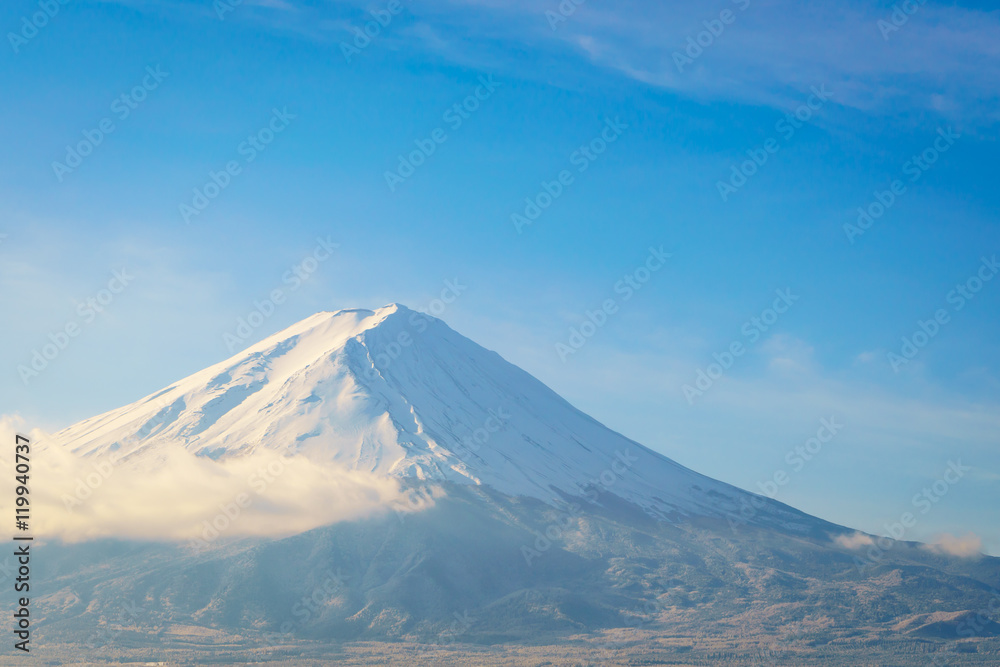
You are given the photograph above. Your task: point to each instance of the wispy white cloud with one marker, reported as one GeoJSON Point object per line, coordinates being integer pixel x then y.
{"type": "Point", "coordinates": [185, 497]}
{"type": "Point", "coordinates": [965, 546]}
{"type": "Point", "coordinates": [788, 354]}
{"type": "Point", "coordinates": [942, 61]}
{"type": "Point", "coordinates": [854, 541]}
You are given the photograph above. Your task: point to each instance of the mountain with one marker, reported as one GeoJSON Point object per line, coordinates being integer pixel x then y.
{"type": "Point", "coordinates": [396, 392]}
{"type": "Point", "coordinates": [551, 538]}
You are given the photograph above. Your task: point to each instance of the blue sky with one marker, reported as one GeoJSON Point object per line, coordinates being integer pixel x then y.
{"type": "Point", "coordinates": [887, 96]}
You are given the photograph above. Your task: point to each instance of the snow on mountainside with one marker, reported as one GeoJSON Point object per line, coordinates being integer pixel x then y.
{"type": "Point", "coordinates": [396, 392]}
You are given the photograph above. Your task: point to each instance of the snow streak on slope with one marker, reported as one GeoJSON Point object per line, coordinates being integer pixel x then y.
{"type": "Point", "coordinates": [397, 393]}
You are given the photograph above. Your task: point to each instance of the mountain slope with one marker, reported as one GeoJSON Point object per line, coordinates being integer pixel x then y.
{"type": "Point", "coordinates": [396, 392]}
{"type": "Point", "coordinates": [548, 529]}
{"type": "Point", "coordinates": [487, 570]}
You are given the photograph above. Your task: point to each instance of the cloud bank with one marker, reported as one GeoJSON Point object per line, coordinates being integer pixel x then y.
{"type": "Point", "coordinates": [190, 498]}
{"type": "Point", "coordinates": [966, 546]}
{"type": "Point", "coordinates": [855, 540]}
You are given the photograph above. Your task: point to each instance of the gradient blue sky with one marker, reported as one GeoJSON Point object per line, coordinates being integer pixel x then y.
{"type": "Point", "coordinates": [323, 176]}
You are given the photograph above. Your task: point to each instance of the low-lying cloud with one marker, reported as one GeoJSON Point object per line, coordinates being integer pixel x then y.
{"type": "Point", "coordinates": [854, 540]}
{"type": "Point", "coordinates": [966, 546]}
{"type": "Point", "coordinates": [186, 497]}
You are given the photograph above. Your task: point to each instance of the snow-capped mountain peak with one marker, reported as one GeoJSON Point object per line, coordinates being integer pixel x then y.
{"type": "Point", "coordinates": [397, 392]}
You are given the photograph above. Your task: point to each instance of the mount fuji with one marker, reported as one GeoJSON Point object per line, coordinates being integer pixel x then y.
{"type": "Point", "coordinates": [398, 393]}
{"type": "Point", "coordinates": [546, 528]}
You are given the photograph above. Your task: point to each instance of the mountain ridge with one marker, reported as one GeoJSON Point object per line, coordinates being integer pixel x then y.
{"type": "Point", "coordinates": [545, 528]}
{"type": "Point", "coordinates": [396, 392]}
